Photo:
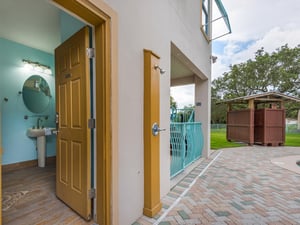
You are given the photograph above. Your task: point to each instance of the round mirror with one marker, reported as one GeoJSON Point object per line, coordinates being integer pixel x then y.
{"type": "Point", "coordinates": [36, 94]}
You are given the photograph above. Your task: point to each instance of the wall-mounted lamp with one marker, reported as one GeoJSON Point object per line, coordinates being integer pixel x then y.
{"type": "Point", "coordinates": [213, 58]}
{"type": "Point", "coordinates": [162, 71]}
{"type": "Point", "coordinates": [37, 66]}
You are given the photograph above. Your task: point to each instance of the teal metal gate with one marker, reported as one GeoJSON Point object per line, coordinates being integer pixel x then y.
{"type": "Point", "coordinates": [186, 143]}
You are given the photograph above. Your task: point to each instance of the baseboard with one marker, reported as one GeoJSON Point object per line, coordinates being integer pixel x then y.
{"type": "Point", "coordinates": [31, 163]}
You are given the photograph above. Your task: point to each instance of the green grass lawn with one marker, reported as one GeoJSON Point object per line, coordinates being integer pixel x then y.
{"type": "Point", "coordinates": [292, 139]}
{"type": "Point", "coordinates": [218, 140]}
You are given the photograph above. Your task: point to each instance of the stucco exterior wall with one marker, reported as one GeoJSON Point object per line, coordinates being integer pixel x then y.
{"type": "Point", "coordinates": [150, 25]}
{"type": "Point", "coordinates": [203, 111]}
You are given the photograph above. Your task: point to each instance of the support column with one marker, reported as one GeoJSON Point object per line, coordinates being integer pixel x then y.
{"type": "Point", "coordinates": [299, 120]}
{"type": "Point", "coordinates": [152, 203]}
{"type": "Point", "coordinates": [202, 111]}
{"type": "Point", "coordinates": [251, 107]}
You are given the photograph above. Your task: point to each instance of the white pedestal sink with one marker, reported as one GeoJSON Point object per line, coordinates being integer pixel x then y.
{"type": "Point", "coordinates": [40, 134]}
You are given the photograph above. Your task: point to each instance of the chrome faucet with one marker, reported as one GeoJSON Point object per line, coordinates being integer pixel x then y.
{"type": "Point", "coordinates": [38, 121]}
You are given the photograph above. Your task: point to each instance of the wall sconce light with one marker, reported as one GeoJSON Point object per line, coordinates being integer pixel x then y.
{"type": "Point", "coordinates": [162, 71]}
{"type": "Point", "coordinates": [37, 66]}
{"type": "Point", "coordinates": [213, 58]}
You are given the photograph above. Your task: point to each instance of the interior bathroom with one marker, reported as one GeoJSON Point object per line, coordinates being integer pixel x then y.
{"type": "Point", "coordinates": [30, 32]}
{"type": "Point", "coordinates": [16, 116]}
{"type": "Point", "coordinates": [27, 95]}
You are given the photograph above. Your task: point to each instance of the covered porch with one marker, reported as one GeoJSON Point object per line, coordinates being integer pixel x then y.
{"type": "Point", "coordinates": [189, 127]}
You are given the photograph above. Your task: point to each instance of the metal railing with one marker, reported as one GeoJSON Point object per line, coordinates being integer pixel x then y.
{"type": "Point", "coordinates": [186, 144]}
{"type": "Point", "coordinates": [182, 115]}
{"type": "Point", "coordinates": [292, 128]}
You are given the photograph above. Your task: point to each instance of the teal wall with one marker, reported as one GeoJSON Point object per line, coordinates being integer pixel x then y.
{"type": "Point", "coordinates": [17, 146]}
{"type": "Point", "coordinates": [68, 25]}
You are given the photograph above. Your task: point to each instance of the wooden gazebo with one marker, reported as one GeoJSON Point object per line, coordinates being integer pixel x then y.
{"type": "Point", "coordinates": [261, 122]}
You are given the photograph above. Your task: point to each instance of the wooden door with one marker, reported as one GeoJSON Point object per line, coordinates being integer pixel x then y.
{"type": "Point", "coordinates": [73, 163]}
{"type": "Point", "coordinates": [0, 175]}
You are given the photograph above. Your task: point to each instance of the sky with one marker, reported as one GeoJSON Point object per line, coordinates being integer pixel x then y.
{"type": "Point", "coordinates": [255, 24]}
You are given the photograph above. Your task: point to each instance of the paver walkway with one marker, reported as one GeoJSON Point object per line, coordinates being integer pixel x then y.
{"type": "Point", "coordinates": [241, 186]}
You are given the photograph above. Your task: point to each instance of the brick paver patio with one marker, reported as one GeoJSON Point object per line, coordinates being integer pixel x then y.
{"type": "Point", "coordinates": [241, 186]}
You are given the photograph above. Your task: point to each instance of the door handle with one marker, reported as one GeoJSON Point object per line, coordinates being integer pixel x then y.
{"type": "Point", "coordinates": [55, 132]}
{"type": "Point", "coordinates": [57, 123]}
{"type": "Point", "coordinates": [156, 129]}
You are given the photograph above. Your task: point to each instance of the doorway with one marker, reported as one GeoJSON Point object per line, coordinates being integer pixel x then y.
{"type": "Point", "coordinates": [104, 20]}
{"type": "Point", "coordinates": [16, 190]}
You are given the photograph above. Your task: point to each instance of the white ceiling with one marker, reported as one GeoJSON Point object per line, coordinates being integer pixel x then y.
{"type": "Point", "coordinates": [178, 69]}
{"type": "Point", "coordinates": [34, 23]}
{"type": "Point", "coordinates": [182, 66]}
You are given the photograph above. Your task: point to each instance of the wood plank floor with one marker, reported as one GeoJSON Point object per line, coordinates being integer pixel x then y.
{"type": "Point", "coordinates": [39, 205]}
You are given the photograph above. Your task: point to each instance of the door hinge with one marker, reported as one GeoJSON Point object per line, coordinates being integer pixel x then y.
{"type": "Point", "coordinates": [90, 52]}
{"type": "Point", "coordinates": [92, 193]}
{"type": "Point", "coordinates": [92, 123]}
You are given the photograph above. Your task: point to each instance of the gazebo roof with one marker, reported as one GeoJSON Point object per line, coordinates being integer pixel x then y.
{"type": "Point", "coordinates": [263, 98]}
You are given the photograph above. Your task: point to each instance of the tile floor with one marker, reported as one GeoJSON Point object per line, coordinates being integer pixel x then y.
{"type": "Point", "coordinates": [240, 186]}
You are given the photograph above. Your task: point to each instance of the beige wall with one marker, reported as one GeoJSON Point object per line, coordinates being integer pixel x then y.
{"type": "Point", "coordinates": [151, 25]}
{"type": "Point", "coordinates": [202, 112]}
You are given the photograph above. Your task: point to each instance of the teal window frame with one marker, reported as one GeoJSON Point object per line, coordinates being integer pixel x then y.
{"type": "Point", "coordinates": [206, 24]}
{"type": "Point", "coordinates": [205, 9]}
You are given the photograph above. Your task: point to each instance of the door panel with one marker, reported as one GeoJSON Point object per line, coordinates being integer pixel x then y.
{"type": "Point", "coordinates": [76, 170]}
{"type": "Point", "coordinates": [73, 179]}
{"type": "Point", "coordinates": [63, 172]}
{"type": "Point", "coordinates": [62, 104]}
{"type": "Point", "coordinates": [76, 99]}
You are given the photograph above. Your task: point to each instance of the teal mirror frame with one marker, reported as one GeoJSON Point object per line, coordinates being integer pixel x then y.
{"type": "Point", "coordinates": [36, 94]}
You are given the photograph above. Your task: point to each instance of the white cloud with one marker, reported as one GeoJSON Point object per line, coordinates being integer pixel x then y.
{"type": "Point", "coordinates": [269, 24]}
{"type": "Point", "coordinates": [255, 24]}
{"type": "Point", "coordinates": [253, 19]}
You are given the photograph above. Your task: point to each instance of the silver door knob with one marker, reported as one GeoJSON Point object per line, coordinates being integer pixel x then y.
{"type": "Point", "coordinates": [55, 132]}
{"type": "Point", "coordinates": [156, 129]}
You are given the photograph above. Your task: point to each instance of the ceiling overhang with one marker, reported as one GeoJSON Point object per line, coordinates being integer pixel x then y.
{"type": "Point", "coordinates": [183, 70]}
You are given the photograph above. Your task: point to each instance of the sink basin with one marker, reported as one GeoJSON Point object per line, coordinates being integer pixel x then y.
{"type": "Point", "coordinates": [40, 135]}
{"type": "Point", "coordinates": [32, 132]}
{"type": "Point", "coordinates": [38, 132]}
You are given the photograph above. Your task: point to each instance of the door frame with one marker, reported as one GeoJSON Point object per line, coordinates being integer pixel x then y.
{"type": "Point", "coordinates": [104, 20]}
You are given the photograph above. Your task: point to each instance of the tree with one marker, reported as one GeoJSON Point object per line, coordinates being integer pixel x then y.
{"type": "Point", "coordinates": [173, 103]}
{"type": "Point", "coordinates": [278, 71]}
